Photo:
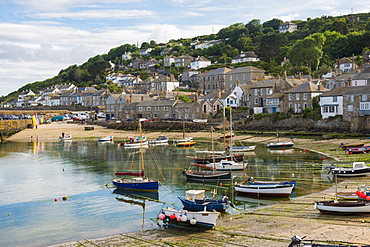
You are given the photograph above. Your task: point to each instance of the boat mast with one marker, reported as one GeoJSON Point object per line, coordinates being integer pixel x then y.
{"type": "Point", "coordinates": [231, 132]}
{"type": "Point", "coordinates": [224, 128]}
{"type": "Point", "coordinates": [141, 147]}
{"type": "Point", "coordinates": [183, 130]}
{"type": "Point", "coordinates": [213, 151]}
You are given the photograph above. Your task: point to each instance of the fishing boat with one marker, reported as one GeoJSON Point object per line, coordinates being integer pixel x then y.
{"type": "Point", "coordinates": [105, 139]}
{"type": "Point", "coordinates": [354, 145]}
{"type": "Point", "coordinates": [357, 169]}
{"type": "Point", "coordinates": [182, 217]}
{"type": "Point", "coordinates": [196, 200]}
{"type": "Point", "coordinates": [358, 150]}
{"type": "Point", "coordinates": [159, 140]}
{"type": "Point", "coordinates": [253, 181]}
{"type": "Point", "coordinates": [346, 195]}
{"type": "Point", "coordinates": [138, 180]}
{"type": "Point", "coordinates": [227, 165]}
{"type": "Point", "coordinates": [343, 207]}
{"type": "Point", "coordinates": [66, 137]}
{"type": "Point", "coordinates": [264, 190]}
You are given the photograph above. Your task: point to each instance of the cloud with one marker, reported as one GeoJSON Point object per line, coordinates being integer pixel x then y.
{"type": "Point", "coordinates": [96, 14]}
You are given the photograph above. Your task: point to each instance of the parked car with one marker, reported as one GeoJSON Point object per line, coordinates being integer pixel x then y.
{"type": "Point", "coordinates": [57, 118]}
{"type": "Point", "coordinates": [143, 119]}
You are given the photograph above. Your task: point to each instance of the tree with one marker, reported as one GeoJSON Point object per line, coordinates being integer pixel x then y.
{"type": "Point", "coordinates": [274, 23]}
{"type": "Point", "coordinates": [307, 52]}
{"type": "Point", "coordinates": [270, 45]}
{"type": "Point", "coordinates": [340, 26]}
{"type": "Point", "coordinates": [254, 25]}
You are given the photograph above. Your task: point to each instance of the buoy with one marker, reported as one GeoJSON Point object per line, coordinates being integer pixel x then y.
{"type": "Point", "coordinates": [55, 199]}
{"type": "Point", "coordinates": [368, 198]}
{"type": "Point", "coordinates": [64, 198]}
{"type": "Point", "coordinates": [161, 216]}
{"type": "Point", "coordinates": [362, 195]}
{"type": "Point", "coordinates": [184, 218]}
{"type": "Point", "coordinates": [358, 192]}
{"type": "Point", "coordinates": [304, 150]}
{"type": "Point", "coordinates": [173, 216]}
{"type": "Point", "coordinates": [178, 218]}
{"type": "Point", "coordinates": [220, 184]}
{"type": "Point", "coordinates": [323, 158]}
{"type": "Point", "coordinates": [193, 221]}
{"type": "Point", "coordinates": [8, 214]}
{"type": "Point", "coordinates": [88, 144]}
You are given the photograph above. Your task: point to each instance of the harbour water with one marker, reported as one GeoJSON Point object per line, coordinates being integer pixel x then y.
{"type": "Point", "coordinates": [54, 192]}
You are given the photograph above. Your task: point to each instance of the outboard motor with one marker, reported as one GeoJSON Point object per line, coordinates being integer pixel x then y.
{"type": "Point", "coordinates": [296, 241]}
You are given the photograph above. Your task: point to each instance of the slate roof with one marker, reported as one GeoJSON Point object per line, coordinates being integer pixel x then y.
{"type": "Point", "coordinates": [305, 88]}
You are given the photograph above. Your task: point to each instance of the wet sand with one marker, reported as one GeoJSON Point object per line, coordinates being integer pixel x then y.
{"type": "Point", "coordinates": [269, 226]}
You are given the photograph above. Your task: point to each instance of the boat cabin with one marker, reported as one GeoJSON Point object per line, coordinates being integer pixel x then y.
{"type": "Point", "coordinates": [359, 165]}
{"type": "Point", "coordinates": [193, 195]}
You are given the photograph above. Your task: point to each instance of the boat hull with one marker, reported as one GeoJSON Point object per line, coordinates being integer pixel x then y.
{"type": "Point", "coordinates": [264, 190]}
{"type": "Point", "coordinates": [199, 205]}
{"type": "Point", "coordinates": [208, 176]}
{"type": "Point", "coordinates": [294, 183]}
{"type": "Point", "coordinates": [130, 184]}
{"type": "Point", "coordinates": [225, 165]}
{"type": "Point", "coordinates": [342, 207]}
{"type": "Point", "coordinates": [242, 149]}
{"type": "Point", "coordinates": [202, 219]}
{"type": "Point", "coordinates": [349, 172]}
{"type": "Point", "coordinates": [280, 144]}
{"type": "Point", "coordinates": [185, 144]}
{"type": "Point", "coordinates": [355, 145]}
{"type": "Point", "coordinates": [207, 160]}
{"type": "Point", "coordinates": [106, 139]}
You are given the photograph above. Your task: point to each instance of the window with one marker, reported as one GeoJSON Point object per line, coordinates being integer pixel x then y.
{"type": "Point", "coordinates": [364, 97]}
{"type": "Point", "coordinates": [290, 96]}
{"type": "Point", "coordinates": [255, 92]}
{"type": "Point", "coordinates": [256, 101]}
{"type": "Point", "coordinates": [335, 98]}
{"type": "Point", "coordinates": [165, 108]}
{"type": "Point", "coordinates": [186, 109]}
{"type": "Point", "coordinates": [268, 91]}
{"type": "Point", "coordinates": [156, 108]}
{"type": "Point", "coordinates": [304, 96]}
{"type": "Point", "coordinates": [365, 106]}
{"type": "Point", "coordinates": [148, 108]}
{"type": "Point", "coordinates": [297, 96]}
{"type": "Point", "coordinates": [350, 108]}
{"type": "Point", "coordinates": [290, 105]}
{"type": "Point", "coordinates": [140, 108]}
{"type": "Point", "coordinates": [352, 98]}
{"type": "Point", "coordinates": [231, 77]}
{"type": "Point", "coordinates": [329, 109]}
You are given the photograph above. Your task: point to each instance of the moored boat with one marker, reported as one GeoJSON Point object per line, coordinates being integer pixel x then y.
{"type": "Point", "coordinates": [196, 200]}
{"type": "Point", "coordinates": [354, 145]}
{"type": "Point", "coordinates": [66, 137]}
{"type": "Point", "coordinates": [357, 169]}
{"type": "Point", "coordinates": [159, 140]}
{"type": "Point", "coordinates": [183, 217]}
{"type": "Point", "coordinates": [217, 158]}
{"type": "Point", "coordinates": [227, 165]}
{"type": "Point", "coordinates": [280, 144]}
{"type": "Point", "coordinates": [138, 181]}
{"type": "Point", "coordinates": [252, 181]}
{"type": "Point", "coordinates": [185, 144]}
{"type": "Point", "coordinates": [264, 190]}
{"type": "Point", "coordinates": [105, 139]}
{"type": "Point", "coordinates": [343, 207]}
{"type": "Point", "coordinates": [241, 149]}
{"type": "Point", "coordinates": [358, 150]}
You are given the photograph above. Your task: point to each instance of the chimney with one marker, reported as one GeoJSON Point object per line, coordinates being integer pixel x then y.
{"type": "Point", "coordinates": [219, 93]}
{"type": "Point", "coordinates": [349, 82]}
{"type": "Point", "coordinates": [142, 98]}
{"type": "Point", "coordinates": [321, 87]}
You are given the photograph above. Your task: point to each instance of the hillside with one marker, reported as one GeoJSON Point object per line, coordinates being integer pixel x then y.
{"type": "Point", "coordinates": [313, 49]}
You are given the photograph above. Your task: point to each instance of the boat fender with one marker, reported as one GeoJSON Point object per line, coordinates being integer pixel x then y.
{"type": "Point", "coordinates": [314, 206]}
{"type": "Point", "coordinates": [184, 218]}
{"type": "Point", "coordinates": [193, 221]}
{"type": "Point", "coordinates": [178, 218]}
{"type": "Point", "coordinates": [172, 216]}
{"type": "Point", "coordinates": [225, 199]}
{"type": "Point", "coordinates": [161, 216]}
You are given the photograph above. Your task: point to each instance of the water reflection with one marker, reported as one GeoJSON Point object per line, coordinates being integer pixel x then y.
{"type": "Point", "coordinates": [32, 174]}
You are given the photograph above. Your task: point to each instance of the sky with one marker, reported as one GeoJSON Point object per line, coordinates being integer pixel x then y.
{"type": "Point", "coordinates": [39, 38]}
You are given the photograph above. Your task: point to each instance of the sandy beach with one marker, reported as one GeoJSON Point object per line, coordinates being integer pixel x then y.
{"type": "Point", "coordinates": [269, 226]}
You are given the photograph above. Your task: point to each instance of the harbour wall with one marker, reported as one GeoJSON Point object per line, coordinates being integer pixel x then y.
{"type": "Point", "coordinates": [10, 127]}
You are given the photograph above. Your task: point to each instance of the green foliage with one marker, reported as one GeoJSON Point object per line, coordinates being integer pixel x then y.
{"type": "Point", "coordinates": [185, 98]}
{"type": "Point", "coordinates": [259, 116]}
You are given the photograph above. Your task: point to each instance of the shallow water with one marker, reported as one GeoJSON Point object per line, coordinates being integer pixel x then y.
{"type": "Point", "coordinates": [35, 176]}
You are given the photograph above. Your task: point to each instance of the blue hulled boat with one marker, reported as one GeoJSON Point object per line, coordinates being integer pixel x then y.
{"type": "Point", "coordinates": [195, 200]}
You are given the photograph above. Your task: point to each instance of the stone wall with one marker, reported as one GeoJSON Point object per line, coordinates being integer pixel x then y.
{"type": "Point", "coordinates": [10, 127]}
{"type": "Point", "coordinates": [295, 124]}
